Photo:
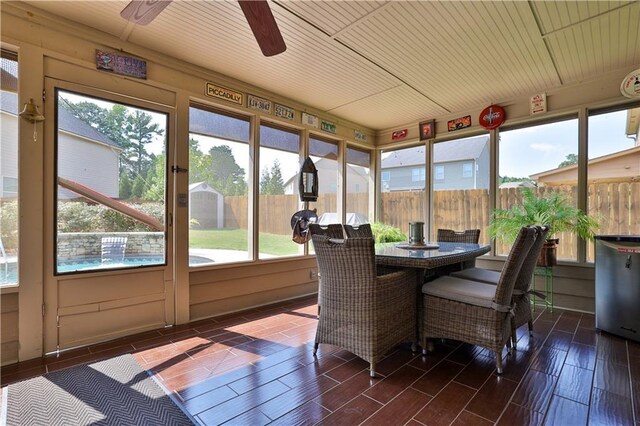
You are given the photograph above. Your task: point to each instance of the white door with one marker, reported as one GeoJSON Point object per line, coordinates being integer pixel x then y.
{"type": "Point", "coordinates": [108, 210]}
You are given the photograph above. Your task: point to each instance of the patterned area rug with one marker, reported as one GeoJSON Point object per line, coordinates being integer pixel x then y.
{"type": "Point", "coordinates": [112, 392]}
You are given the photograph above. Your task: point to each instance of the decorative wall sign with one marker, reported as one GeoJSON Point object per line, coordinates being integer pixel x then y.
{"type": "Point", "coordinates": [309, 120]}
{"type": "Point", "coordinates": [328, 126]}
{"type": "Point", "coordinates": [359, 135]}
{"type": "Point", "coordinates": [121, 64]}
{"type": "Point", "coordinates": [538, 104]}
{"type": "Point", "coordinates": [630, 86]}
{"type": "Point", "coordinates": [261, 104]}
{"type": "Point", "coordinates": [399, 134]}
{"type": "Point", "coordinates": [427, 130]}
{"type": "Point", "coordinates": [284, 111]}
{"type": "Point", "coordinates": [459, 123]}
{"type": "Point", "coordinates": [223, 93]}
{"type": "Point", "coordinates": [492, 117]}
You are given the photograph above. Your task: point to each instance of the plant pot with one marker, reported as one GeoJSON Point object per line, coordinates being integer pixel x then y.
{"type": "Point", "coordinates": [548, 255]}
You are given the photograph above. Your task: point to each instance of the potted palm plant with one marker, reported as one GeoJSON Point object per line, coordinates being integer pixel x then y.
{"type": "Point", "coordinates": [554, 210]}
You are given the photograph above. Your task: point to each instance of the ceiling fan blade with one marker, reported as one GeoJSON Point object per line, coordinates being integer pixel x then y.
{"type": "Point", "coordinates": [264, 26]}
{"type": "Point", "coordinates": [142, 12]}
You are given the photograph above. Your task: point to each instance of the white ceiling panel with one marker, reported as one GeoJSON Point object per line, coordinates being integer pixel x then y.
{"type": "Point", "coordinates": [333, 16]}
{"type": "Point", "coordinates": [313, 70]}
{"type": "Point", "coordinates": [458, 54]}
{"type": "Point", "coordinates": [385, 63]}
{"type": "Point", "coordinates": [393, 107]}
{"type": "Point", "coordinates": [604, 43]}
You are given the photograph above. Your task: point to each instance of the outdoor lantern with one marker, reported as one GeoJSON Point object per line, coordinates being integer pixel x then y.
{"type": "Point", "coordinates": [308, 185]}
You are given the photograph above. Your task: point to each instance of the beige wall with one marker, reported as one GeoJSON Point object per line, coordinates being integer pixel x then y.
{"type": "Point", "coordinates": [9, 328]}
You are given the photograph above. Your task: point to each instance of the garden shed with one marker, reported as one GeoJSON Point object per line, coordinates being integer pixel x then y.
{"type": "Point", "coordinates": [206, 206]}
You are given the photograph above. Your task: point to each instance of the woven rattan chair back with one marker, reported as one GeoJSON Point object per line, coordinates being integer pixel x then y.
{"type": "Point", "coordinates": [357, 304]}
{"type": "Point", "coordinates": [333, 230]}
{"type": "Point", "coordinates": [523, 282]}
{"type": "Point", "coordinates": [361, 231]}
{"type": "Point", "coordinates": [512, 266]}
{"type": "Point", "coordinates": [470, 236]}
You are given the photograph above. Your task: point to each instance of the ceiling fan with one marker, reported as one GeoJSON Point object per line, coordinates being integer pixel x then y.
{"type": "Point", "coordinates": [257, 12]}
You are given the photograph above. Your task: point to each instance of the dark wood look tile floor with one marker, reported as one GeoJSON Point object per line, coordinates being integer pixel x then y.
{"type": "Point", "coordinates": [256, 367]}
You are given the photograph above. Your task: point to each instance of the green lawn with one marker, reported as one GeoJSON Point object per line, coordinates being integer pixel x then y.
{"type": "Point", "coordinates": [236, 239]}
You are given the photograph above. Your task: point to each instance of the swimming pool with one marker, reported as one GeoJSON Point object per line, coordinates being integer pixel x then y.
{"type": "Point", "coordinates": [9, 272]}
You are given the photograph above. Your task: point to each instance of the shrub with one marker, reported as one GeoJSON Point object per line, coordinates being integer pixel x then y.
{"type": "Point", "coordinates": [77, 216]}
{"type": "Point", "coordinates": [386, 233]}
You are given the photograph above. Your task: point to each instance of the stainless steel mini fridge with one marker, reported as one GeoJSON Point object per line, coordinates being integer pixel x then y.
{"type": "Point", "coordinates": [618, 285]}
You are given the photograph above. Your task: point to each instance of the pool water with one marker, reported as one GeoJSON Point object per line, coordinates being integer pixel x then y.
{"type": "Point", "coordinates": [9, 272]}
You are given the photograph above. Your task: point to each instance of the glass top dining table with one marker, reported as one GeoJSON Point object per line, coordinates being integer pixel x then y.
{"type": "Point", "coordinates": [428, 256]}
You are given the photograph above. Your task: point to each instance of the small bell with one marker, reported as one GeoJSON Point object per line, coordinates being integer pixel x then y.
{"type": "Point", "coordinates": [31, 113]}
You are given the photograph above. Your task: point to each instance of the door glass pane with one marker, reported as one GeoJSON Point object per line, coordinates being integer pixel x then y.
{"type": "Point", "coordinates": [111, 175]}
{"type": "Point", "coordinates": [9, 170]}
{"type": "Point", "coordinates": [279, 167]}
{"type": "Point", "coordinates": [613, 173]}
{"type": "Point", "coordinates": [402, 194]}
{"type": "Point", "coordinates": [218, 189]}
{"type": "Point", "coordinates": [358, 178]}
{"type": "Point", "coordinates": [460, 196]}
{"type": "Point", "coordinates": [539, 157]}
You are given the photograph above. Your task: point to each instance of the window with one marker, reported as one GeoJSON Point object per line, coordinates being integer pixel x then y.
{"type": "Point", "coordinates": [9, 169]}
{"type": "Point", "coordinates": [613, 170]}
{"type": "Point", "coordinates": [438, 172]}
{"type": "Point", "coordinates": [405, 190]}
{"type": "Point", "coordinates": [122, 171]}
{"type": "Point", "coordinates": [278, 201]}
{"type": "Point", "coordinates": [324, 154]}
{"type": "Point", "coordinates": [467, 170]}
{"type": "Point", "coordinates": [358, 178]}
{"type": "Point", "coordinates": [537, 157]}
{"type": "Point", "coordinates": [218, 189]}
{"type": "Point", "coordinates": [459, 203]}
{"type": "Point", "coordinates": [385, 176]}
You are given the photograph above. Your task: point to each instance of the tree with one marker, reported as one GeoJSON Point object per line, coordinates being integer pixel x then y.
{"type": "Point", "coordinates": [271, 182]}
{"type": "Point", "coordinates": [156, 180]}
{"type": "Point", "coordinates": [218, 168]}
{"type": "Point", "coordinates": [131, 129]}
{"type": "Point", "coordinates": [569, 161]}
{"type": "Point", "coordinates": [125, 186]}
{"type": "Point", "coordinates": [139, 187]}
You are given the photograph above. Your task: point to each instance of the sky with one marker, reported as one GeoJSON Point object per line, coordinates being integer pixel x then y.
{"type": "Point", "coordinates": [532, 150]}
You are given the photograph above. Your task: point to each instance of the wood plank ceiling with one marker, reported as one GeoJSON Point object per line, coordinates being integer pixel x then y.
{"type": "Point", "coordinates": [385, 64]}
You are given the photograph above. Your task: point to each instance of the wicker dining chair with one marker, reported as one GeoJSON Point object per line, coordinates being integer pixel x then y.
{"type": "Point", "coordinates": [522, 289]}
{"type": "Point", "coordinates": [362, 312]}
{"type": "Point", "coordinates": [450, 236]}
{"type": "Point", "coordinates": [475, 312]}
{"type": "Point", "coordinates": [363, 230]}
{"type": "Point", "coordinates": [333, 230]}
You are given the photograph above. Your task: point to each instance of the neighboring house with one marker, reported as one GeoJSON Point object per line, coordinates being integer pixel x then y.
{"type": "Point", "coordinates": [85, 155]}
{"type": "Point", "coordinates": [518, 184]}
{"type": "Point", "coordinates": [621, 166]}
{"type": "Point", "coordinates": [357, 178]}
{"type": "Point", "coordinates": [459, 164]}
{"type": "Point", "coordinates": [206, 206]}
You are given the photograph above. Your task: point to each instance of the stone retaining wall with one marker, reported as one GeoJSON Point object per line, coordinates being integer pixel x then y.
{"type": "Point", "coordinates": [76, 245]}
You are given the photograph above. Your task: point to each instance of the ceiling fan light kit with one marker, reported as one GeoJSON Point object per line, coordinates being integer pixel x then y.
{"type": "Point", "coordinates": [256, 12]}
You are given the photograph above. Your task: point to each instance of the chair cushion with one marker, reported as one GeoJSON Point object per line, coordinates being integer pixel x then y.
{"type": "Point", "coordinates": [478, 274]}
{"type": "Point", "coordinates": [465, 291]}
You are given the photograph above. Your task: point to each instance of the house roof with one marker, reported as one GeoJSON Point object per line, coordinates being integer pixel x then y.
{"type": "Point", "coordinates": [596, 160]}
{"type": "Point", "coordinates": [66, 121]}
{"type": "Point", "coordinates": [457, 150]}
{"type": "Point", "coordinates": [202, 186]}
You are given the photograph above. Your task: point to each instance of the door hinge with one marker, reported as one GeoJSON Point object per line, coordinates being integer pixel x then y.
{"type": "Point", "coordinates": [178, 169]}
{"type": "Point", "coordinates": [44, 95]}
{"type": "Point", "coordinates": [43, 309]}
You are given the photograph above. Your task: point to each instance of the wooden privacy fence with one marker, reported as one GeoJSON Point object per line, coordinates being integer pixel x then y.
{"type": "Point", "coordinates": [616, 204]}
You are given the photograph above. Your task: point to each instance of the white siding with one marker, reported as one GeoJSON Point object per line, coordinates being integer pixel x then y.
{"type": "Point", "coordinates": [9, 145]}
{"type": "Point", "coordinates": [90, 164]}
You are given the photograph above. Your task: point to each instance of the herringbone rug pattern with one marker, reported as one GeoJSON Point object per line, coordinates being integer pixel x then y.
{"type": "Point", "coordinates": [112, 392]}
